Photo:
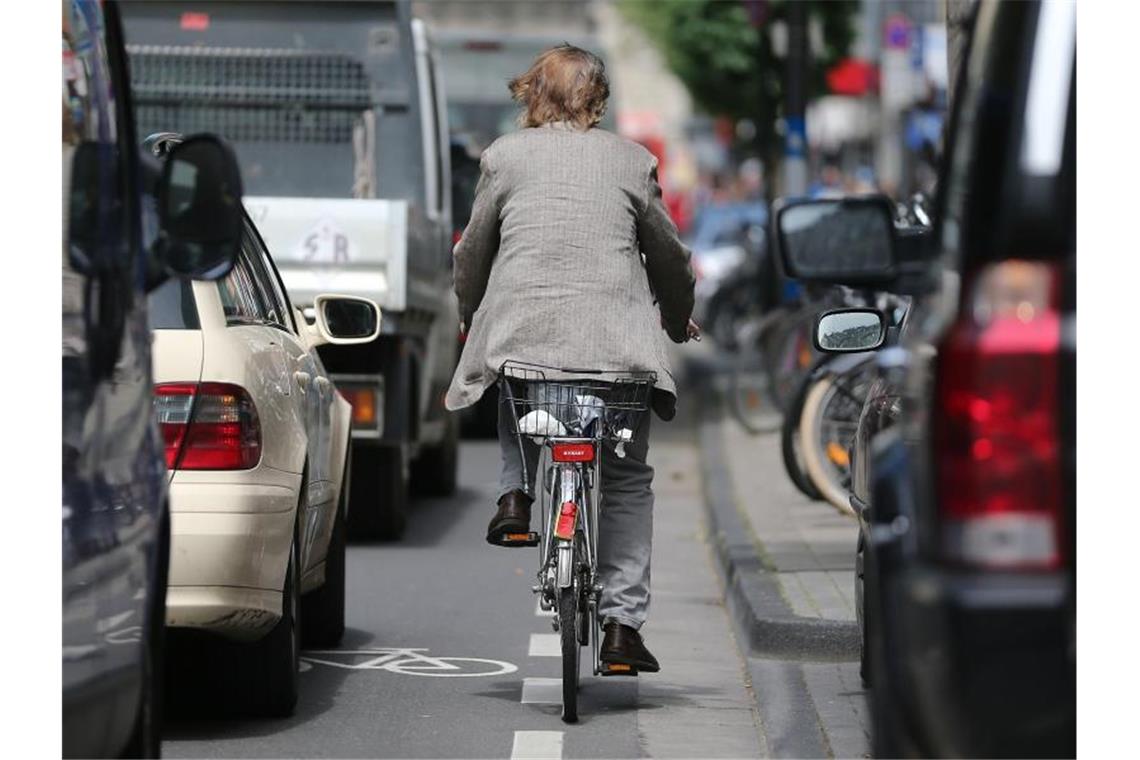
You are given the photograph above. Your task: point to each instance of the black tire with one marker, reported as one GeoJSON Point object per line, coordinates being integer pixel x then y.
{"type": "Point", "coordinates": [146, 736]}
{"type": "Point", "coordinates": [379, 494]}
{"type": "Point", "coordinates": [789, 443]}
{"type": "Point", "coordinates": [322, 609]}
{"type": "Point", "coordinates": [270, 674]}
{"type": "Point", "coordinates": [436, 470]}
{"type": "Point", "coordinates": [571, 651]}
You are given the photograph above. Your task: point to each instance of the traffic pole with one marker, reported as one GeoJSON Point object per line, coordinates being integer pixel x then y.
{"type": "Point", "coordinates": [795, 127]}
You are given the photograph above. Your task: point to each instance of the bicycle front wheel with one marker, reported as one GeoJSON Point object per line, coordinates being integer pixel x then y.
{"type": "Point", "coordinates": [568, 628]}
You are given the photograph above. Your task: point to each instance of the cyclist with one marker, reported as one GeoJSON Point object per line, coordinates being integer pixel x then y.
{"type": "Point", "coordinates": [570, 259]}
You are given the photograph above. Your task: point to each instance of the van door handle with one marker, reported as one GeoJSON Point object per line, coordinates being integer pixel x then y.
{"type": "Point", "coordinates": [302, 379]}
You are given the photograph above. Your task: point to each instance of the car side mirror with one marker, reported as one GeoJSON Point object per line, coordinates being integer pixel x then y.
{"type": "Point", "coordinates": [199, 208]}
{"type": "Point", "coordinates": [842, 331]}
{"type": "Point", "coordinates": [845, 241]}
{"type": "Point", "coordinates": [346, 320]}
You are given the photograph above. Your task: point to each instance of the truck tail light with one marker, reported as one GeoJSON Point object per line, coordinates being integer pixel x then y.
{"type": "Point", "coordinates": [208, 426]}
{"type": "Point", "coordinates": [996, 421]}
{"type": "Point", "coordinates": [363, 400]}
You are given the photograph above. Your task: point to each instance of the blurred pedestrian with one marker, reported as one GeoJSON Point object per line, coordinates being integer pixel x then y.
{"type": "Point", "coordinates": [571, 260]}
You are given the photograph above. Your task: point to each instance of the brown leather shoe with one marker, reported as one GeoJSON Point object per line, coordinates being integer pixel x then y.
{"type": "Point", "coordinates": [623, 646]}
{"type": "Point", "coordinates": [513, 516]}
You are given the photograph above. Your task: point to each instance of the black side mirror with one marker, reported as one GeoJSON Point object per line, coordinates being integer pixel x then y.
{"type": "Point", "coordinates": [842, 331]}
{"type": "Point", "coordinates": [199, 208]}
{"type": "Point", "coordinates": [845, 241]}
{"type": "Point", "coordinates": [96, 239]}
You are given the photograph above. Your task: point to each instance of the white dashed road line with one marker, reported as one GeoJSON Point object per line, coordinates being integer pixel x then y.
{"type": "Point", "coordinates": [542, 691]}
{"type": "Point", "coordinates": [545, 645]}
{"type": "Point", "coordinates": [537, 745]}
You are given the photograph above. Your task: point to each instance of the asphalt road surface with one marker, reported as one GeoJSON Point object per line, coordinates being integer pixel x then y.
{"type": "Point", "coordinates": [446, 654]}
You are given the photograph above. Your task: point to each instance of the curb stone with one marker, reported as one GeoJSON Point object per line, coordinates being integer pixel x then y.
{"type": "Point", "coordinates": [759, 610]}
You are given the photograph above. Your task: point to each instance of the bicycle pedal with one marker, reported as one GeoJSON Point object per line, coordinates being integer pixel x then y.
{"type": "Point", "coordinates": [618, 669]}
{"type": "Point", "coordinates": [520, 539]}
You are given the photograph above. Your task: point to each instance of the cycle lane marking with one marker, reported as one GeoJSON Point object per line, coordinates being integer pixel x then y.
{"type": "Point", "coordinates": [542, 691]}
{"type": "Point", "coordinates": [406, 661]}
{"type": "Point", "coordinates": [545, 645]}
{"type": "Point", "coordinates": [537, 745]}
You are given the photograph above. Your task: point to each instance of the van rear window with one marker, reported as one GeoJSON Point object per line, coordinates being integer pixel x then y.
{"type": "Point", "coordinates": [172, 306]}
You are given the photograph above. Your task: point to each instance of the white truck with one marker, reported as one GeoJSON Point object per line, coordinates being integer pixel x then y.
{"type": "Point", "coordinates": [337, 113]}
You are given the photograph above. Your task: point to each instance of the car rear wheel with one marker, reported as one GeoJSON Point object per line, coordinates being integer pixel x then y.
{"type": "Point", "coordinates": [379, 495]}
{"type": "Point", "coordinates": [322, 609]}
{"type": "Point", "coordinates": [273, 665]}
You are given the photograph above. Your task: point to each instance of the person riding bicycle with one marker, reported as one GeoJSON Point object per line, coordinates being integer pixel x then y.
{"type": "Point", "coordinates": [570, 259]}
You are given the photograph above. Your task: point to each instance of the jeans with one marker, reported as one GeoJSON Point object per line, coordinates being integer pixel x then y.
{"type": "Point", "coordinates": [625, 516]}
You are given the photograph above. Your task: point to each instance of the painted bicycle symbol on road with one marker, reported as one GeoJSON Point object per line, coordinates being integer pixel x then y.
{"type": "Point", "coordinates": [406, 661]}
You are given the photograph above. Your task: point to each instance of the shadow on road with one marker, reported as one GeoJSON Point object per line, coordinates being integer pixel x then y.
{"type": "Point", "coordinates": [197, 707]}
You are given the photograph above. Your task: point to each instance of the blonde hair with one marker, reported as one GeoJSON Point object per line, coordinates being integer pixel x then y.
{"type": "Point", "coordinates": [565, 83]}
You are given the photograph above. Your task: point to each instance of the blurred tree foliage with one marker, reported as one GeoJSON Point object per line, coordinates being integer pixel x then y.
{"type": "Point", "coordinates": [726, 60]}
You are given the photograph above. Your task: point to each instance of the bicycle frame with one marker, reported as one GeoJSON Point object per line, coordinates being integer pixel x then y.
{"type": "Point", "coordinates": [575, 482]}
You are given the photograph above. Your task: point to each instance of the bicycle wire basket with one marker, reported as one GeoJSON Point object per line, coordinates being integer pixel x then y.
{"type": "Point", "coordinates": [580, 403]}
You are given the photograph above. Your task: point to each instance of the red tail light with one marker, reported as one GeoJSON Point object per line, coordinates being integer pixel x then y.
{"type": "Point", "coordinates": [996, 421]}
{"type": "Point", "coordinates": [208, 426]}
{"type": "Point", "coordinates": [567, 520]}
{"type": "Point", "coordinates": [572, 452]}
{"type": "Point", "coordinates": [456, 236]}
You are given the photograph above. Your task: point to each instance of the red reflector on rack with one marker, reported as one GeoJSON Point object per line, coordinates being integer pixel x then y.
{"type": "Point", "coordinates": [573, 452]}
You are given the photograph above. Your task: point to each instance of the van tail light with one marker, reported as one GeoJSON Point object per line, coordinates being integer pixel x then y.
{"type": "Point", "coordinates": [208, 426]}
{"type": "Point", "coordinates": [996, 421]}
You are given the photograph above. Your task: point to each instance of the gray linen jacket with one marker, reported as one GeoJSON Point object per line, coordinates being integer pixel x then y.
{"type": "Point", "coordinates": [570, 260]}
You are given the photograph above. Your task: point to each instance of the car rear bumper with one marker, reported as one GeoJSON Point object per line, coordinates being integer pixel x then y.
{"type": "Point", "coordinates": [987, 662]}
{"type": "Point", "coordinates": [229, 551]}
{"type": "Point", "coordinates": [241, 614]}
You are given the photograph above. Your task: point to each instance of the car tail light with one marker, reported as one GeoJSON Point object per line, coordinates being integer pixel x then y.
{"type": "Point", "coordinates": [363, 400]}
{"type": "Point", "coordinates": [208, 426]}
{"type": "Point", "coordinates": [996, 420]}
{"type": "Point", "coordinates": [456, 236]}
{"type": "Point", "coordinates": [572, 452]}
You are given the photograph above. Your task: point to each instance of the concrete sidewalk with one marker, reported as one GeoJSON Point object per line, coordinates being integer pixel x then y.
{"type": "Point", "coordinates": [787, 565]}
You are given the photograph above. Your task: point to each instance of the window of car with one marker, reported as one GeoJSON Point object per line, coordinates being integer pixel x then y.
{"type": "Point", "coordinates": [241, 300]}
{"type": "Point", "coordinates": [171, 306]}
{"type": "Point", "coordinates": [265, 275]}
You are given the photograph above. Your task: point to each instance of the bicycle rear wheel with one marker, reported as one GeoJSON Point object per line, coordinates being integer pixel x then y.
{"type": "Point", "coordinates": [568, 629]}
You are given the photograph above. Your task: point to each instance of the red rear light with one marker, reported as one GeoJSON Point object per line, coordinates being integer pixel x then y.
{"type": "Point", "coordinates": [456, 236]}
{"type": "Point", "coordinates": [567, 520]}
{"type": "Point", "coordinates": [996, 421]}
{"type": "Point", "coordinates": [208, 426]}
{"type": "Point", "coordinates": [573, 452]}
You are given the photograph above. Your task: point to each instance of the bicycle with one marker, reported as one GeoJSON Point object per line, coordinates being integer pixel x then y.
{"type": "Point", "coordinates": [571, 417]}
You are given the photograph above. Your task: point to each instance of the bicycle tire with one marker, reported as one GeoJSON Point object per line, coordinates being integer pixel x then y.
{"type": "Point", "coordinates": [789, 442]}
{"type": "Point", "coordinates": [781, 346]}
{"type": "Point", "coordinates": [752, 405]}
{"type": "Point", "coordinates": [571, 651]}
{"type": "Point", "coordinates": [811, 419]}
